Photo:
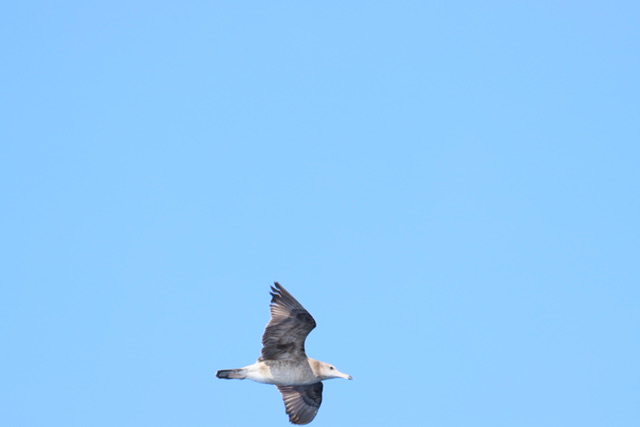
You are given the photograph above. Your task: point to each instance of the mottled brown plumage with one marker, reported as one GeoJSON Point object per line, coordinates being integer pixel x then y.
{"type": "Point", "coordinates": [301, 401]}
{"type": "Point", "coordinates": [283, 361]}
{"type": "Point", "coordinates": [288, 328]}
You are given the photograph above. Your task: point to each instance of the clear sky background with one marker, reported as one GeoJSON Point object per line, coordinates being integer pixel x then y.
{"type": "Point", "coordinates": [451, 188]}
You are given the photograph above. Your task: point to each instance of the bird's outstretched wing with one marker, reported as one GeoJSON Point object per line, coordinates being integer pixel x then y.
{"type": "Point", "coordinates": [302, 401]}
{"type": "Point", "coordinates": [290, 323]}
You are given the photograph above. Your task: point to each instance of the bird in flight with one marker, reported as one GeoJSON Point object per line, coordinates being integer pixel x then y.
{"type": "Point", "coordinates": [284, 362]}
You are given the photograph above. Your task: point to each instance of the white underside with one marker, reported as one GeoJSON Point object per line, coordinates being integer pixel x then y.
{"type": "Point", "coordinates": [280, 374]}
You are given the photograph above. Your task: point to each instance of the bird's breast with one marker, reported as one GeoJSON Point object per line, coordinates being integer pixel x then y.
{"type": "Point", "coordinates": [284, 372]}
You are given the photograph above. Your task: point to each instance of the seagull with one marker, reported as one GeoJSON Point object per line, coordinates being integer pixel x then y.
{"type": "Point", "coordinates": [284, 362]}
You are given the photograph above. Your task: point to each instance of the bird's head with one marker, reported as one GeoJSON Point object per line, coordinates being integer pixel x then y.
{"type": "Point", "coordinates": [326, 371]}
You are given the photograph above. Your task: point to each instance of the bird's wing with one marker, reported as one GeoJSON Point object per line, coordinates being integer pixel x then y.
{"type": "Point", "coordinates": [301, 401]}
{"type": "Point", "coordinates": [290, 323]}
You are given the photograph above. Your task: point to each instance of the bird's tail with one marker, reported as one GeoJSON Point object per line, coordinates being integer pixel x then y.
{"type": "Point", "coordinates": [231, 374]}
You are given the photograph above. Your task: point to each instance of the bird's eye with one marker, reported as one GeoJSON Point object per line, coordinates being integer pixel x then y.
{"type": "Point", "coordinates": [331, 367]}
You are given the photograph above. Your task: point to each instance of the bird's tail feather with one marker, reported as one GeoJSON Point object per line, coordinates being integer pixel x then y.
{"type": "Point", "coordinates": [231, 374]}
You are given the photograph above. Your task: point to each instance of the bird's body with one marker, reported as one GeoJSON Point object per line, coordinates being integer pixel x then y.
{"type": "Point", "coordinates": [284, 362]}
{"type": "Point", "coordinates": [276, 372]}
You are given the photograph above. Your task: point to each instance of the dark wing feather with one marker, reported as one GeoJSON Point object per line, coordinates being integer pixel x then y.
{"type": "Point", "coordinates": [301, 401]}
{"type": "Point", "coordinates": [290, 323]}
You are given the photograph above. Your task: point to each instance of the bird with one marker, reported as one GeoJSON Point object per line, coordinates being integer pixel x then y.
{"type": "Point", "coordinates": [283, 361]}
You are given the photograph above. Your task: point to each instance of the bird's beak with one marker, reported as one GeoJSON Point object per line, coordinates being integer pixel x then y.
{"type": "Point", "coordinates": [345, 376]}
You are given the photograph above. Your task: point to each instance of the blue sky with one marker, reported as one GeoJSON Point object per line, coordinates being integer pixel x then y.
{"type": "Point", "coordinates": [450, 188]}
